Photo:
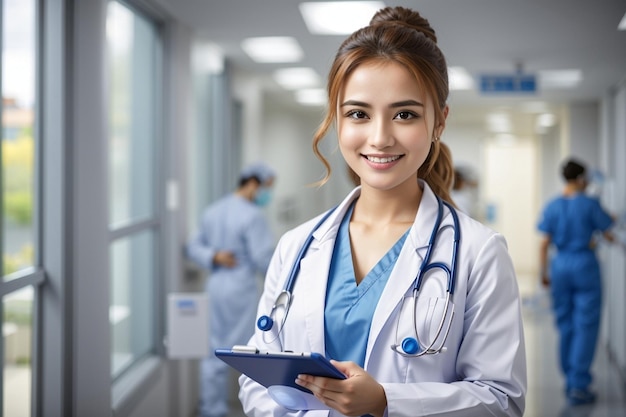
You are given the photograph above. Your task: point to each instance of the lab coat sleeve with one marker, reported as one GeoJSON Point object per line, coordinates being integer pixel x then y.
{"type": "Point", "coordinates": [491, 363]}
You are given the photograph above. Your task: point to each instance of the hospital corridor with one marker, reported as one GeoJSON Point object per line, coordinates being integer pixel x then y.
{"type": "Point", "coordinates": [165, 168]}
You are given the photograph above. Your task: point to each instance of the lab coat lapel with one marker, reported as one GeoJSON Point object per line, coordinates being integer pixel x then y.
{"type": "Point", "coordinates": [407, 265]}
{"type": "Point", "coordinates": [314, 270]}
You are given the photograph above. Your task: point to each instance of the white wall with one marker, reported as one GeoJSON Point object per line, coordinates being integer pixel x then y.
{"type": "Point", "coordinates": [510, 170]}
{"type": "Point", "coordinates": [584, 132]}
{"type": "Point", "coordinates": [282, 135]}
{"type": "Point", "coordinates": [287, 145]}
{"type": "Point", "coordinates": [612, 258]}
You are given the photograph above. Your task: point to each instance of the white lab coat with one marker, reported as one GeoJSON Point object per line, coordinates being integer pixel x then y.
{"type": "Point", "coordinates": [483, 370]}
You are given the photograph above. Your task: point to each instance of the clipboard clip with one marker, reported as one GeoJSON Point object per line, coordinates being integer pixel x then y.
{"type": "Point", "coordinates": [253, 350]}
{"type": "Point", "coordinates": [244, 349]}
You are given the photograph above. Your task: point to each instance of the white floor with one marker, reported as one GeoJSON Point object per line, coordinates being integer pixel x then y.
{"type": "Point", "coordinates": [545, 384]}
{"type": "Point", "coordinates": [17, 382]}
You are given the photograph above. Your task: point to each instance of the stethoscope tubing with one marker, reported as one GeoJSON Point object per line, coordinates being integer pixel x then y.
{"type": "Point", "coordinates": [265, 323]}
{"type": "Point", "coordinates": [295, 268]}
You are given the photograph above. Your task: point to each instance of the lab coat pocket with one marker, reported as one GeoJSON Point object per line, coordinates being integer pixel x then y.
{"type": "Point", "coordinates": [437, 322]}
{"type": "Point", "coordinates": [426, 320]}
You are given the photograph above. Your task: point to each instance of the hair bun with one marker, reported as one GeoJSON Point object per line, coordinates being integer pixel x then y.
{"type": "Point", "coordinates": [404, 17]}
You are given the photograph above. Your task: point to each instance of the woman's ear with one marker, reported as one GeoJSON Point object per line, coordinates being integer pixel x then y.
{"type": "Point", "coordinates": [439, 129]}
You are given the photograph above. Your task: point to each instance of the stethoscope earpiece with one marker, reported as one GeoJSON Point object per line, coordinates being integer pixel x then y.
{"type": "Point", "coordinates": [265, 323]}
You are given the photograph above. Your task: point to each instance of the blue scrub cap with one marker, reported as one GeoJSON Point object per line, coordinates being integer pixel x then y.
{"type": "Point", "coordinates": [260, 170]}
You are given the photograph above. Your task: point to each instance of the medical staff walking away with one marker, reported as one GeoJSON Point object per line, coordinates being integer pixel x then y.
{"type": "Point", "coordinates": [416, 304]}
{"type": "Point", "coordinates": [235, 244]}
{"type": "Point", "coordinates": [569, 223]}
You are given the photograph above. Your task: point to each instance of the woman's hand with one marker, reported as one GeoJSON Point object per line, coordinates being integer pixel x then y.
{"type": "Point", "coordinates": [357, 395]}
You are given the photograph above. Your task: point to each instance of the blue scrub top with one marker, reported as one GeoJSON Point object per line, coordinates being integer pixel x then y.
{"type": "Point", "coordinates": [349, 308]}
{"type": "Point", "coordinates": [238, 225]}
{"type": "Point", "coordinates": [572, 220]}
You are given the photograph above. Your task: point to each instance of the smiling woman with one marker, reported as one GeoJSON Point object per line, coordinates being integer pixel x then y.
{"type": "Point", "coordinates": [409, 299]}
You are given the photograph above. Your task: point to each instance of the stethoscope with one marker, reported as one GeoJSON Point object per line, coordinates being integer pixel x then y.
{"type": "Point", "coordinates": [410, 346]}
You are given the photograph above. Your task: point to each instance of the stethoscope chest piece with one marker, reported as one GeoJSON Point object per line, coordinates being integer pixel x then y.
{"type": "Point", "coordinates": [265, 323]}
{"type": "Point", "coordinates": [273, 326]}
{"type": "Point", "coordinates": [410, 346]}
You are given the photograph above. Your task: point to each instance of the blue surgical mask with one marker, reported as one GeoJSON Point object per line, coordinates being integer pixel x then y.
{"type": "Point", "coordinates": [263, 196]}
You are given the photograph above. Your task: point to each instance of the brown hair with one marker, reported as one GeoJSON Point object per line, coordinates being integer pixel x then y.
{"type": "Point", "coordinates": [401, 35]}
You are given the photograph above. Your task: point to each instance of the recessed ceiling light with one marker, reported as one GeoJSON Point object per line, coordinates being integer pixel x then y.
{"type": "Point", "coordinates": [546, 119]}
{"type": "Point", "coordinates": [311, 96]}
{"type": "Point", "coordinates": [555, 79]}
{"type": "Point", "coordinates": [208, 57]}
{"type": "Point", "coordinates": [505, 139]}
{"type": "Point", "coordinates": [338, 17]}
{"type": "Point", "coordinates": [295, 78]}
{"type": "Point", "coordinates": [499, 122]}
{"type": "Point", "coordinates": [622, 23]}
{"type": "Point", "coordinates": [459, 79]}
{"type": "Point", "coordinates": [534, 107]}
{"type": "Point", "coordinates": [272, 49]}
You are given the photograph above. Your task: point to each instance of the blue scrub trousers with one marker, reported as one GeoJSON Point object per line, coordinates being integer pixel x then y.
{"type": "Point", "coordinates": [232, 307]}
{"type": "Point", "coordinates": [577, 302]}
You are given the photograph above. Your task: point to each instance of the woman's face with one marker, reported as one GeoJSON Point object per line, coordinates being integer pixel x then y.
{"type": "Point", "coordinates": [385, 125]}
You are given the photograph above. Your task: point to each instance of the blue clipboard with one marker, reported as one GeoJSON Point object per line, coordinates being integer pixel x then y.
{"type": "Point", "coordinates": [278, 368]}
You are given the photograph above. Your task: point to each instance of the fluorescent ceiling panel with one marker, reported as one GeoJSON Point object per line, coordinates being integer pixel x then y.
{"type": "Point", "coordinates": [311, 96]}
{"type": "Point", "coordinates": [557, 79]}
{"type": "Point", "coordinates": [460, 79]}
{"type": "Point", "coordinates": [546, 120]}
{"type": "Point", "coordinates": [207, 57]}
{"type": "Point", "coordinates": [273, 49]}
{"type": "Point", "coordinates": [499, 122]}
{"type": "Point", "coordinates": [622, 23]}
{"type": "Point", "coordinates": [295, 78]}
{"type": "Point", "coordinates": [505, 139]}
{"type": "Point", "coordinates": [534, 107]}
{"type": "Point", "coordinates": [338, 17]}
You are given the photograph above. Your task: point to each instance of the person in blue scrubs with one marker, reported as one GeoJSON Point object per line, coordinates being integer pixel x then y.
{"type": "Point", "coordinates": [235, 244]}
{"type": "Point", "coordinates": [570, 223]}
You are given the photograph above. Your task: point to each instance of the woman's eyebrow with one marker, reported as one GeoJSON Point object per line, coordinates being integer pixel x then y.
{"type": "Point", "coordinates": [402, 103]}
{"type": "Point", "coordinates": [406, 103]}
{"type": "Point", "coordinates": [355, 103]}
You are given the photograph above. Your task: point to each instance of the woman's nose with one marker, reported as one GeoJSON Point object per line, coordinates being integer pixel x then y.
{"type": "Point", "coordinates": [381, 135]}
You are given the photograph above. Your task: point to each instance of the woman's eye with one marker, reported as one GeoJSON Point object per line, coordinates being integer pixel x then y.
{"type": "Point", "coordinates": [406, 115]}
{"type": "Point", "coordinates": [356, 114]}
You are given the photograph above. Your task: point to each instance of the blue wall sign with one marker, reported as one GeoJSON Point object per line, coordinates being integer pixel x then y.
{"type": "Point", "coordinates": [514, 83]}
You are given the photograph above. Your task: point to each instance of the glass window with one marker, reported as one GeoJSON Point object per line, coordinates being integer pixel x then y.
{"type": "Point", "coordinates": [18, 141]}
{"type": "Point", "coordinates": [17, 337]}
{"type": "Point", "coordinates": [17, 213]}
{"type": "Point", "coordinates": [134, 62]}
{"type": "Point", "coordinates": [132, 58]}
{"type": "Point", "coordinates": [132, 292]}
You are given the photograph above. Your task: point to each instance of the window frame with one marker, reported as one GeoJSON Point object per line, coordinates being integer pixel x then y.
{"type": "Point", "coordinates": [33, 276]}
